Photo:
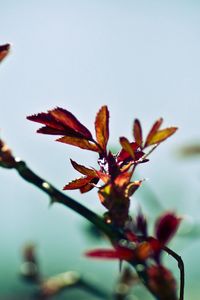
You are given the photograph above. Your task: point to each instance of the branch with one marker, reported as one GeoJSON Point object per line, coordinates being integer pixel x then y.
{"type": "Point", "coordinates": [56, 196]}
{"type": "Point", "coordinates": [181, 268]}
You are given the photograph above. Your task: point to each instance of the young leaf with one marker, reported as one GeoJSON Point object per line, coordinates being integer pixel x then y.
{"type": "Point", "coordinates": [83, 170]}
{"type": "Point", "coordinates": [46, 119]}
{"type": "Point", "coordinates": [137, 132]}
{"type": "Point", "coordinates": [78, 183]}
{"type": "Point", "coordinates": [69, 120]}
{"type": "Point", "coordinates": [152, 131]}
{"type": "Point", "coordinates": [121, 253]}
{"type": "Point", "coordinates": [52, 131]}
{"type": "Point", "coordinates": [61, 122]}
{"type": "Point", "coordinates": [162, 135]}
{"type": "Point", "coordinates": [86, 188]}
{"type": "Point", "coordinates": [124, 157]}
{"type": "Point", "coordinates": [126, 145]}
{"type": "Point", "coordinates": [4, 50]}
{"type": "Point", "coordinates": [78, 142]}
{"type": "Point", "coordinates": [102, 127]}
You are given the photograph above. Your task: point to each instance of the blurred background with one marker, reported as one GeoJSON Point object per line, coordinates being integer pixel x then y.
{"type": "Point", "coordinates": [141, 58]}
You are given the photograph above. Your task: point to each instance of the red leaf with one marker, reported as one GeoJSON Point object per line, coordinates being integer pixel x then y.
{"type": "Point", "coordinates": [51, 131]}
{"type": "Point", "coordinates": [4, 50]}
{"type": "Point", "coordinates": [141, 223]}
{"type": "Point", "coordinates": [86, 188]}
{"type": "Point", "coordinates": [137, 132]}
{"type": "Point", "coordinates": [102, 127]}
{"type": "Point", "coordinates": [61, 122]}
{"type": "Point", "coordinates": [152, 131]}
{"type": "Point", "coordinates": [84, 170]}
{"type": "Point", "coordinates": [78, 142]}
{"type": "Point", "coordinates": [127, 146]}
{"type": "Point", "coordinates": [166, 226]}
{"type": "Point", "coordinates": [78, 183]}
{"type": "Point", "coordinates": [69, 120]}
{"type": "Point", "coordinates": [48, 120]}
{"type": "Point", "coordinates": [121, 253]}
{"type": "Point", "coordinates": [125, 157]}
{"type": "Point", "coordinates": [162, 282]}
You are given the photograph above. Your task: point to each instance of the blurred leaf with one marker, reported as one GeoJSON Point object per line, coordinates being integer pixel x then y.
{"type": "Point", "coordinates": [4, 50]}
{"type": "Point", "coordinates": [121, 253]}
{"type": "Point", "coordinates": [166, 226]}
{"type": "Point", "coordinates": [190, 150]}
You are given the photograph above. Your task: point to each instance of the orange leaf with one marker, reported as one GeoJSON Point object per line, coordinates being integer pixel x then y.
{"type": "Point", "coordinates": [162, 135]}
{"type": "Point", "coordinates": [123, 179]}
{"type": "Point", "coordinates": [103, 176]}
{"type": "Point", "coordinates": [102, 127]}
{"type": "Point", "coordinates": [126, 145]}
{"type": "Point", "coordinates": [4, 50]}
{"type": "Point", "coordinates": [152, 131]}
{"type": "Point", "coordinates": [137, 132]}
{"type": "Point", "coordinates": [78, 142]}
{"type": "Point", "coordinates": [82, 169]}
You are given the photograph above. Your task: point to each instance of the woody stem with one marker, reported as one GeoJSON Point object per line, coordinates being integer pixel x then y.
{"type": "Point", "coordinates": [181, 268]}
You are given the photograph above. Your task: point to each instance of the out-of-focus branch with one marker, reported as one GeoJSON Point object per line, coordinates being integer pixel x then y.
{"type": "Point", "coordinates": [181, 268]}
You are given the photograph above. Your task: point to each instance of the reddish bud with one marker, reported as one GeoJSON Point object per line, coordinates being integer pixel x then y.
{"type": "Point", "coordinates": [166, 226]}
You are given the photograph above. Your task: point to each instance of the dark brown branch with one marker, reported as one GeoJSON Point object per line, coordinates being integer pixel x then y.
{"type": "Point", "coordinates": [57, 196]}
{"type": "Point", "coordinates": [181, 268]}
